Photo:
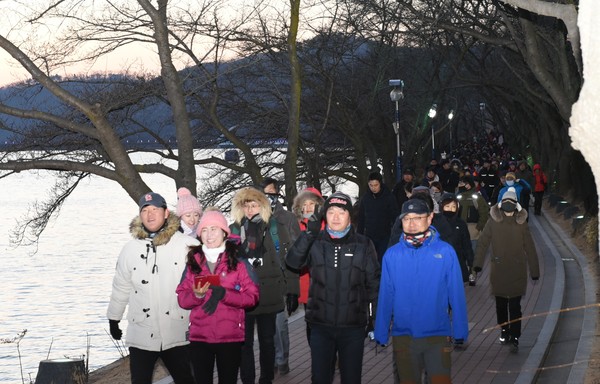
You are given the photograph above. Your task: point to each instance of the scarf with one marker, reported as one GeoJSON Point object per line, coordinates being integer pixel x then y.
{"type": "Point", "coordinates": [187, 230]}
{"type": "Point", "coordinates": [416, 239]}
{"type": "Point", "coordinates": [212, 254]}
{"type": "Point", "coordinates": [338, 234]}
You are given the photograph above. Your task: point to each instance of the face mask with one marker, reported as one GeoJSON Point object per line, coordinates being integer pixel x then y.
{"type": "Point", "coordinates": [449, 214]}
{"type": "Point", "coordinates": [272, 199]}
{"type": "Point", "coordinates": [510, 183]}
{"type": "Point", "coordinates": [508, 206]}
{"type": "Point", "coordinates": [306, 215]}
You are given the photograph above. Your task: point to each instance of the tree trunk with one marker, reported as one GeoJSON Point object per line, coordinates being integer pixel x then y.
{"type": "Point", "coordinates": [61, 371]}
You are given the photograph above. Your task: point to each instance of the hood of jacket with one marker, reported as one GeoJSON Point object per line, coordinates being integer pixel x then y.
{"type": "Point", "coordinates": [304, 195]}
{"type": "Point", "coordinates": [536, 167]}
{"type": "Point", "coordinates": [245, 195]}
{"type": "Point", "coordinates": [497, 215]}
{"type": "Point", "coordinates": [163, 236]}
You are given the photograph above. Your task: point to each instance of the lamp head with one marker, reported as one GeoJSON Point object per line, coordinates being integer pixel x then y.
{"type": "Point", "coordinates": [397, 92]}
{"type": "Point", "coordinates": [432, 111]}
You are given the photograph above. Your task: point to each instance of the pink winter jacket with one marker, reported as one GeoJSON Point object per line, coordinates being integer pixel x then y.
{"type": "Point", "coordinates": [226, 324]}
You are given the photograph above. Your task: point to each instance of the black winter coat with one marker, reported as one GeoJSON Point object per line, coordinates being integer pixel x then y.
{"type": "Point", "coordinates": [463, 246]}
{"type": "Point", "coordinates": [344, 277]}
{"type": "Point", "coordinates": [376, 215]}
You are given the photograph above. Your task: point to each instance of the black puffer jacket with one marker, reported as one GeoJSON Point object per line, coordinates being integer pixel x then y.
{"type": "Point", "coordinates": [344, 277]}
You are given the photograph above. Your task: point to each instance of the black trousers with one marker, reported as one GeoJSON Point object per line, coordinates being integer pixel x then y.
{"type": "Point", "coordinates": [347, 343]}
{"type": "Point", "coordinates": [227, 356]}
{"type": "Point", "coordinates": [177, 361]}
{"type": "Point", "coordinates": [509, 309]}
{"type": "Point", "coordinates": [265, 328]}
{"type": "Point", "coordinates": [537, 204]}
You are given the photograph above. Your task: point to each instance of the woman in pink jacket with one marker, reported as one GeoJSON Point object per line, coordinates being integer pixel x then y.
{"type": "Point", "coordinates": [217, 287]}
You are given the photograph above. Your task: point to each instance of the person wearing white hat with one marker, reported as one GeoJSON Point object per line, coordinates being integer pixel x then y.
{"type": "Point", "coordinates": [513, 254]}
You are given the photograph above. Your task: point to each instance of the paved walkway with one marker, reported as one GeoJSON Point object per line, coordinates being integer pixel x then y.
{"type": "Point", "coordinates": [484, 360]}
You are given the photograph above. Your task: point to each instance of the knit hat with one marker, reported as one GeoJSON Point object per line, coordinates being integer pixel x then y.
{"type": "Point", "coordinates": [417, 206]}
{"type": "Point", "coordinates": [213, 219]}
{"type": "Point", "coordinates": [187, 203]}
{"type": "Point", "coordinates": [339, 199]}
{"type": "Point", "coordinates": [509, 201]}
{"type": "Point", "coordinates": [510, 194]}
{"type": "Point", "coordinates": [153, 199]}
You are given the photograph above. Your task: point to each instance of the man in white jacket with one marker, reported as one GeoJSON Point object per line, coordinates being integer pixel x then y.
{"type": "Point", "coordinates": [148, 271]}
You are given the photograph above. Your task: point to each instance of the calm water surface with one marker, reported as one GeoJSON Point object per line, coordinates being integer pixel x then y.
{"type": "Point", "coordinates": [60, 294]}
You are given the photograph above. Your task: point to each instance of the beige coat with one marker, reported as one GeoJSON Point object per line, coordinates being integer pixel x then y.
{"type": "Point", "coordinates": [513, 252]}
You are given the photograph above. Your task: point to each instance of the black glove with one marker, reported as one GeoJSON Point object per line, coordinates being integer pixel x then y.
{"type": "Point", "coordinates": [314, 223]}
{"type": "Point", "coordinates": [218, 293]}
{"type": "Point", "coordinates": [535, 278]}
{"type": "Point", "coordinates": [115, 331]}
{"type": "Point", "coordinates": [476, 269]}
{"type": "Point", "coordinates": [291, 303]}
{"type": "Point", "coordinates": [459, 343]}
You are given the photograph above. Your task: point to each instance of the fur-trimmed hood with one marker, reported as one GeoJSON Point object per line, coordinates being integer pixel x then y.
{"type": "Point", "coordinates": [497, 215]}
{"type": "Point", "coordinates": [306, 194]}
{"type": "Point", "coordinates": [163, 236]}
{"type": "Point", "coordinates": [245, 195]}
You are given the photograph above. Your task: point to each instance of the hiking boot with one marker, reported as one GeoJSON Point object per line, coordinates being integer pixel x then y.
{"type": "Point", "coordinates": [504, 337]}
{"type": "Point", "coordinates": [514, 346]}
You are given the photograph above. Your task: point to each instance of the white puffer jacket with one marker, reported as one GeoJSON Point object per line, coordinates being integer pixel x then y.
{"type": "Point", "coordinates": [147, 274]}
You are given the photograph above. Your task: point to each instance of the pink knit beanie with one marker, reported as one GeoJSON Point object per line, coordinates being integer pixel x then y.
{"type": "Point", "coordinates": [213, 219]}
{"type": "Point", "coordinates": [187, 203]}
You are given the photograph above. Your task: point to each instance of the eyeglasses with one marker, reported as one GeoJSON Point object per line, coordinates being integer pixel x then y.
{"type": "Point", "coordinates": [251, 206]}
{"type": "Point", "coordinates": [407, 220]}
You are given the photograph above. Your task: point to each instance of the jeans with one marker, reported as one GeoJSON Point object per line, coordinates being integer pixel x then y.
{"type": "Point", "coordinates": [265, 326]}
{"type": "Point", "coordinates": [282, 339]}
{"type": "Point", "coordinates": [349, 344]}
{"type": "Point", "coordinates": [227, 356]}
{"type": "Point", "coordinates": [509, 309]}
{"type": "Point", "coordinates": [176, 359]}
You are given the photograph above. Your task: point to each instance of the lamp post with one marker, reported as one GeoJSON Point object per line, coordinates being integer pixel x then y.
{"type": "Point", "coordinates": [396, 95]}
{"type": "Point", "coordinates": [432, 113]}
{"type": "Point", "coordinates": [450, 117]}
{"type": "Point", "coordinates": [482, 109]}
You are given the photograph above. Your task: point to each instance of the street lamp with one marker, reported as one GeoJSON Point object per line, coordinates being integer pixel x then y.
{"type": "Point", "coordinates": [396, 95]}
{"type": "Point", "coordinates": [432, 113]}
{"type": "Point", "coordinates": [450, 117]}
{"type": "Point", "coordinates": [482, 109]}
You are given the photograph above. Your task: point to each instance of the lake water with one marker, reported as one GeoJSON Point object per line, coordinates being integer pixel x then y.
{"type": "Point", "coordinates": [61, 292]}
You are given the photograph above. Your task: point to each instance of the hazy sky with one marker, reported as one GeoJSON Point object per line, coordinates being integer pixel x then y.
{"type": "Point", "coordinates": [135, 59]}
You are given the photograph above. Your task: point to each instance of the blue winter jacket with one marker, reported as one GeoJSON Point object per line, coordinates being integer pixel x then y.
{"type": "Point", "coordinates": [417, 289]}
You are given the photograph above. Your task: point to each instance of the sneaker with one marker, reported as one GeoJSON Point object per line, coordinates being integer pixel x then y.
{"type": "Point", "coordinates": [514, 346]}
{"type": "Point", "coordinates": [504, 337]}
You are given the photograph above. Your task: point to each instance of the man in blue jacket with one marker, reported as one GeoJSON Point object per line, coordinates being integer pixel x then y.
{"type": "Point", "coordinates": [421, 295]}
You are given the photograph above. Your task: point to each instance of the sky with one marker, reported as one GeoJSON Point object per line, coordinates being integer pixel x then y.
{"type": "Point", "coordinates": [135, 58]}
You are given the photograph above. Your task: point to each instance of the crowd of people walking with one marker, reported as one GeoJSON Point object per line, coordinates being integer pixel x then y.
{"type": "Point", "coordinates": [198, 287]}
